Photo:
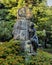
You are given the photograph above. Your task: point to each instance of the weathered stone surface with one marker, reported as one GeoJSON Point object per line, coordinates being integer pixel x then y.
{"type": "Point", "coordinates": [20, 30]}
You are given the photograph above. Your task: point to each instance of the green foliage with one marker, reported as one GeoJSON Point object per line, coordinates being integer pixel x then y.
{"type": "Point", "coordinates": [9, 3]}
{"type": "Point", "coordinates": [10, 54]}
{"type": "Point", "coordinates": [6, 25]}
{"type": "Point", "coordinates": [3, 14]}
{"type": "Point", "coordinates": [6, 30]}
{"type": "Point", "coordinates": [13, 11]}
{"type": "Point", "coordinates": [42, 58]}
{"type": "Point", "coordinates": [40, 16]}
{"type": "Point", "coordinates": [41, 34]}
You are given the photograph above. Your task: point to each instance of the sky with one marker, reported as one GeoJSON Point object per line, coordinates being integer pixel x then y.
{"type": "Point", "coordinates": [49, 2]}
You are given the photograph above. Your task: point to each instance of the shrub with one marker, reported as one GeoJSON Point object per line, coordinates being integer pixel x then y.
{"type": "Point", "coordinates": [6, 30]}
{"type": "Point", "coordinates": [10, 54]}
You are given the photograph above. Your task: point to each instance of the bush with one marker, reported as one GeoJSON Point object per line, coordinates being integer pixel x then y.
{"type": "Point", "coordinates": [1, 6]}
{"type": "Point", "coordinates": [41, 36]}
{"type": "Point", "coordinates": [10, 54]}
{"type": "Point", "coordinates": [6, 30]}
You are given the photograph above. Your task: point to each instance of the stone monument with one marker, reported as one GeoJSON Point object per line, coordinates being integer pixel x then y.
{"type": "Point", "coordinates": [21, 30]}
